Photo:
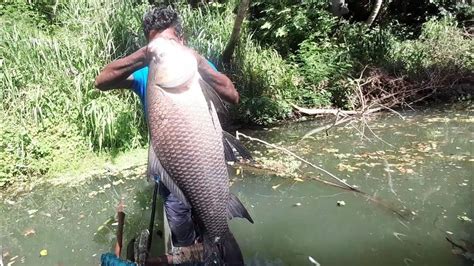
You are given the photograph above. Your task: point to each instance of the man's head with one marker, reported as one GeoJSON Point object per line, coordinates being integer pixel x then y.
{"type": "Point", "coordinates": [162, 20]}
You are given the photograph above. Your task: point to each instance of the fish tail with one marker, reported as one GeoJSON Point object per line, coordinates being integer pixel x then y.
{"type": "Point", "coordinates": [225, 252]}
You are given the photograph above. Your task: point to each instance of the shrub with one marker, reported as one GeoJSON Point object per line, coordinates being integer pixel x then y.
{"type": "Point", "coordinates": [441, 45]}
{"type": "Point", "coordinates": [266, 83]}
{"type": "Point", "coordinates": [285, 24]}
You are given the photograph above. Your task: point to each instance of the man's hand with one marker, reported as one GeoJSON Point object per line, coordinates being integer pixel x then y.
{"type": "Point", "coordinates": [118, 73]}
{"type": "Point", "coordinates": [218, 81]}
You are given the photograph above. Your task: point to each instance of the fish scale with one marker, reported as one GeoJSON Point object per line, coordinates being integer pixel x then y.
{"type": "Point", "coordinates": [190, 148]}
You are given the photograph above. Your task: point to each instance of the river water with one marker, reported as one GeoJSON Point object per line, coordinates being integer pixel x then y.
{"type": "Point", "coordinates": [420, 168]}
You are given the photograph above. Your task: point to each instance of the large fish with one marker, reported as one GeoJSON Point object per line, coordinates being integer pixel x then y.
{"type": "Point", "coordinates": [187, 147]}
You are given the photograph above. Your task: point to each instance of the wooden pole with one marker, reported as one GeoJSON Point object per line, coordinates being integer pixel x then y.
{"type": "Point", "coordinates": [121, 221]}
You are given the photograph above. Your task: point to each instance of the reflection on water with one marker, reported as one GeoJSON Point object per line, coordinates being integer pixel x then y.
{"type": "Point", "coordinates": [424, 168]}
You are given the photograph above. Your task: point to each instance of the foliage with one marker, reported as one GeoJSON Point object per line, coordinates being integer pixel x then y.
{"type": "Point", "coordinates": [441, 45]}
{"type": "Point", "coordinates": [47, 82]}
{"type": "Point", "coordinates": [265, 81]}
{"type": "Point", "coordinates": [367, 45]}
{"type": "Point", "coordinates": [267, 84]}
{"type": "Point", "coordinates": [285, 24]}
{"type": "Point", "coordinates": [208, 28]}
{"type": "Point", "coordinates": [413, 14]}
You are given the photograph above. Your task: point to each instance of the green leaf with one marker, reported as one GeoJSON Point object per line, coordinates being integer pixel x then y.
{"type": "Point", "coordinates": [266, 25]}
{"type": "Point", "coordinates": [281, 32]}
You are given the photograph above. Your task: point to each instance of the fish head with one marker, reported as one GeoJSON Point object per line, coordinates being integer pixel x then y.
{"type": "Point", "coordinates": [174, 63]}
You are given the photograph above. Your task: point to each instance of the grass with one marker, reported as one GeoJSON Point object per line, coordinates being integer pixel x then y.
{"type": "Point", "coordinates": [52, 111]}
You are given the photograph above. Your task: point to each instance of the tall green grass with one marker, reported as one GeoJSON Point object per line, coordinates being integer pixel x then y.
{"type": "Point", "coordinates": [50, 107]}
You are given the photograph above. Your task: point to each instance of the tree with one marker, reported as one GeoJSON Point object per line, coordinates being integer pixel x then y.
{"type": "Point", "coordinates": [374, 13]}
{"type": "Point", "coordinates": [235, 36]}
{"type": "Point", "coordinates": [339, 8]}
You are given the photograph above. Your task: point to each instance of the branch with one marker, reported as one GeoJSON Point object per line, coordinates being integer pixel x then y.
{"type": "Point", "coordinates": [326, 127]}
{"type": "Point", "coordinates": [317, 111]}
{"type": "Point", "coordinates": [346, 186]}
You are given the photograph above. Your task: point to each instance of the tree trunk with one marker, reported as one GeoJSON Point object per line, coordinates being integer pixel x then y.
{"type": "Point", "coordinates": [374, 13]}
{"type": "Point", "coordinates": [339, 8]}
{"type": "Point", "coordinates": [235, 36]}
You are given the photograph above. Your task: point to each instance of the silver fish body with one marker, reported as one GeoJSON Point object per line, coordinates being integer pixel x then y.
{"type": "Point", "coordinates": [186, 138]}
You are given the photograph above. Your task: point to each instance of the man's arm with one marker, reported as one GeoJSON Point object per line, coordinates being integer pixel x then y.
{"type": "Point", "coordinates": [220, 82]}
{"type": "Point", "coordinates": [118, 73]}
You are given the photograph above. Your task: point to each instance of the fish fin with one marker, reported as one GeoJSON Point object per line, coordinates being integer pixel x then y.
{"type": "Point", "coordinates": [211, 96]}
{"type": "Point", "coordinates": [230, 251]}
{"type": "Point", "coordinates": [155, 168]}
{"type": "Point", "coordinates": [235, 208]}
{"type": "Point", "coordinates": [219, 105]}
{"type": "Point", "coordinates": [234, 143]}
{"type": "Point", "coordinates": [211, 252]}
{"type": "Point", "coordinates": [228, 151]}
{"type": "Point", "coordinates": [226, 251]}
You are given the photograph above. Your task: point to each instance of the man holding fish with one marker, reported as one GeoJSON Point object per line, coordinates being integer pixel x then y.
{"type": "Point", "coordinates": [187, 145]}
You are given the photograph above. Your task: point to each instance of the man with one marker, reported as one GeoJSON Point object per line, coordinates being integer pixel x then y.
{"type": "Point", "coordinates": [132, 72]}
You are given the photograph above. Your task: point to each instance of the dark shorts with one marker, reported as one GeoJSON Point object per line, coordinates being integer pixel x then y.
{"type": "Point", "coordinates": [179, 219]}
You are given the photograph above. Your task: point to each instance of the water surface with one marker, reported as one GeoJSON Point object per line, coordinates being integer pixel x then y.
{"type": "Point", "coordinates": [421, 166]}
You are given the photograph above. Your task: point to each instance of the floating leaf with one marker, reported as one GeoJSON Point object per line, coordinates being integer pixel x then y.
{"type": "Point", "coordinates": [118, 182]}
{"type": "Point", "coordinates": [330, 150]}
{"type": "Point", "coordinates": [341, 203]}
{"type": "Point", "coordinates": [30, 212]}
{"type": "Point", "coordinates": [464, 218]}
{"type": "Point", "coordinates": [313, 261]}
{"type": "Point", "coordinates": [43, 253]}
{"type": "Point", "coordinates": [45, 214]}
{"type": "Point", "coordinates": [282, 31]}
{"type": "Point", "coordinates": [298, 179]}
{"type": "Point", "coordinates": [29, 232]}
{"type": "Point", "coordinates": [275, 186]}
{"type": "Point", "coordinates": [346, 167]}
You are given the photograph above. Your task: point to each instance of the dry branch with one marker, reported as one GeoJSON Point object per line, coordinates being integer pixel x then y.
{"type": "Point", "coordinates": [309, 111]}
{"type": "Point", "coordinates": [344, 184]}
{"type": "Point", "coordinates": [376, 90]}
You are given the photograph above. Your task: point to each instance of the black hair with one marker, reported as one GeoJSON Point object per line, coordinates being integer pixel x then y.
{"type": "Point", "coordinates": [161, 18]}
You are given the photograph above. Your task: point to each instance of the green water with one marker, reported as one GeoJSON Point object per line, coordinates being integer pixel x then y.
{"type": "Point", "coordinates": [423, 168]}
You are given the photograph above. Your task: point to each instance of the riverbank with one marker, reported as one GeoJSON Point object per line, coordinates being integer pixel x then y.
{"type": "Point", "coordinates": [83, 170]}
{"type": "Point", "coordinates": [73, 170]}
